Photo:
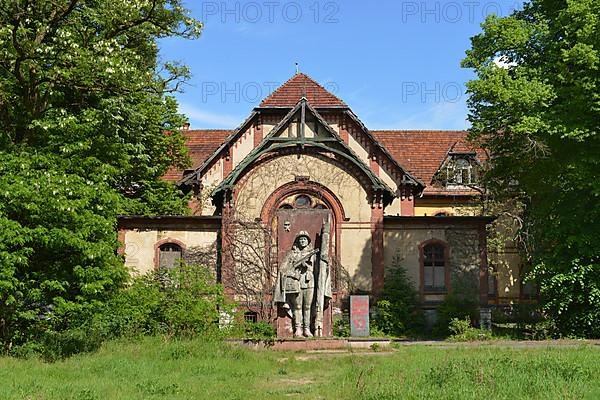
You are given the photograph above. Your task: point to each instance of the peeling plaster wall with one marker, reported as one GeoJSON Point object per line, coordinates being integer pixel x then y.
{"type": "Point", "coordinates": [355, 240]}
{"type": "Point", "coordinates": [403, 241]}
{"type": "Point", "coordinates": [254, 189]}
{"type": "Point", "coordinates": [139, 245]}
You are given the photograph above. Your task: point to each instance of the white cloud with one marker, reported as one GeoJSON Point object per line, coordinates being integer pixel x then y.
{"type": "Point", "coordinates": [206, 119]}
{"type": "Point", "coordinates": [443, 116]}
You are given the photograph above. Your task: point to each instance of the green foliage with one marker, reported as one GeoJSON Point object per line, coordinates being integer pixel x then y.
{"type": "Point", "coordinates": [183, 302]}
{"type": "Point", "coordinates": [341, 327]}
{"type": "Point", "coordinates": [260, 330]}
{"type": "Point", "coordinates": [461, 303]}
{"type": "Point", "coordinates": [57, 246]}
{"type": "Point", "coordinates": [462, 331]}
{"type": "Point", "coordinates": [398, 311]}
{"type": "Point", "coordinates": [535, 107]}
{"type": "Point", "coordinates": [524, 321]}
{"type": "Point", "coordinates": [87, 128]}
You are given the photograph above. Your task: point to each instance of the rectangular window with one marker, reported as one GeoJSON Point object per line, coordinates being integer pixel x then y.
{"type": "Point", "coordinates": [434, 267]}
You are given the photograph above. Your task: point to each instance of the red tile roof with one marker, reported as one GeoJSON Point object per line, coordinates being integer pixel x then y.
{"type": "Point", "coordinates": [299, 85]}
{"type": "Point", "coordinates": [201, 144]}
{"type": "Point", "coordinates": [421, 153]}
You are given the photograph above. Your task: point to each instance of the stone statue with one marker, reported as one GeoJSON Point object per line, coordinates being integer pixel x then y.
{"type": "Point", "coordinates": [295, 285]}
{"type": "Point", "coordinates": [323, 279]}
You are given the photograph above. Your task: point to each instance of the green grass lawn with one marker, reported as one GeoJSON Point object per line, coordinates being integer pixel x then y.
{"type": "Point", "coordinates": [155, 369]}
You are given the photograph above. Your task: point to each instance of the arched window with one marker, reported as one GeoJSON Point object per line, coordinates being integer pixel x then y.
{"type": "Point", "coordinates": [169, 255]}
{"type": "Point", "coordinates": [302, 201]}
{"type": "Point", "coordinates": [461, 171]}
{"type": "Point", "coordinates": [435, 274]}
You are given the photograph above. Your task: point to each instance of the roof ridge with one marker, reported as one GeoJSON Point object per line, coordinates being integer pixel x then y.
{"type": "Point", "coordinates": [321, 86]}
{"type": "Point", "coordinates": [279, 88]}
{"type": "Point", "coordinates": [290, 88]}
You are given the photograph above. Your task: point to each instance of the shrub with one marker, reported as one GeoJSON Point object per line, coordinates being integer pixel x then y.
{"type": "Point", "coordinates": [183, 302]}
{"type": "Point", "coordinates": [525, 321]}
{"type": "Point", "coordinates": [398, 311]}
{"type": "Point", "coordinates": [462, 331]}
{"type": "Point", "coordinates": [461, 303]}
{"type": "Point", "coordinates": [260, 330]}
{"type": "Point", "coordinates": [341, 327]}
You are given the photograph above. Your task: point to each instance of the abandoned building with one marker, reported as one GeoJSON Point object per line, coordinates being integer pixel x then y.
{"type": "Point", "coordinates": [302, 160]}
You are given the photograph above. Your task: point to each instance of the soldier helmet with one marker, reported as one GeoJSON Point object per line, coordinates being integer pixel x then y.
{"type": "Point", "coordinates": [303, 233]}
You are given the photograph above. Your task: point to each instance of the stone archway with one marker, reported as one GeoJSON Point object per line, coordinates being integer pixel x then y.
{"type": "Point", "coordinates": [303, 206]}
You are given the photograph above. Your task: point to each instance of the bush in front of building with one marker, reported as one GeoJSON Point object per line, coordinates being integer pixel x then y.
{"type": "Point", "coordinates": [398, 312]}
{"type": "Point", "coordinates": [182, 302]}
{"type": "Point", "coordinates": [462, 331]}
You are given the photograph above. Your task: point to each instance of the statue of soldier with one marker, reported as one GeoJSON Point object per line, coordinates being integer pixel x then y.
{"type": "Point", "coordinates": [295, 285]}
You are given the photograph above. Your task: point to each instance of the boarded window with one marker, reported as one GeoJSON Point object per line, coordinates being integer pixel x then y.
{"type": "Point", "coordinates": [434, 267]}
{"type": "Point", "coordinates": [169, 255]}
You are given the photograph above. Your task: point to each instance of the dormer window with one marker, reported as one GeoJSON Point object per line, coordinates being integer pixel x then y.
{"type": "Point", "coordinates": [461, 170]}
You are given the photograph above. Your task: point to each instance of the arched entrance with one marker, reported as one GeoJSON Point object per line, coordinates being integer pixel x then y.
{"type": "Point", "coordinates": [304, 208]}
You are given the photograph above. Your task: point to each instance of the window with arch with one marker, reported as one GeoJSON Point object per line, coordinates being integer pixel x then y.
{"type": "Point", "coordinates": [302, 201]}
{"type": "Point", "coordinates": [169, 255]}
{"type": "Point", "coordinates": [434, 267]}
{"type": "Point", "coordinates": [461, 170]}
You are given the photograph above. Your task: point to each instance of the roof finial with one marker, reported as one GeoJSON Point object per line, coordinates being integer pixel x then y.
{"type": "Point", "coordinates": [297, 69]}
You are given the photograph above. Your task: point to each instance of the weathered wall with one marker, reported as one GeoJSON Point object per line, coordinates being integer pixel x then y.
{"type": "Point", "coordinates": [254, 189]}
{"type": "Point", "coordinates": [402, 241]}
{"type": "Point", "coordinates": [507, 265]}
{"type": "Point", "coordinates": [360, 151]}
{"type": "Point", "coordinates": [140, 245]}
{"type": "Point", "coordinates": [430, 207]}
{"type": "Point", "coordinates": [242, 146]}
{"type": "Point", "coordinates": [394, 208]}
{"type": "Point", "coordinates": [355, 233]}
{"type": "Point", "coordinates": [356, 255]}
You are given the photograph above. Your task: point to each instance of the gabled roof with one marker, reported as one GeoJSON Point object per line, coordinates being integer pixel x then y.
{"type": "Point", "coordinates": [222, 146]}
{"type": "Point", "coordinates": [201, 144]}
{"type": "Point", "coordinates": [423, 152]}
{"type": "Point", "coordinates": [332, 144]}
{"type": "Point", "coordinates": [298, 86]}
{"type": "Point", "coordinates": [408, 177]}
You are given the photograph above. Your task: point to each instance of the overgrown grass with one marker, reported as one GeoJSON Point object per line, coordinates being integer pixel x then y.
{"type": "Point", "coordinates": [194, 369]}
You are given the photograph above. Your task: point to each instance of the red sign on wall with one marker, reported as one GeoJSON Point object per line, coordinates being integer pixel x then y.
{"type": "Point", "coordinates": [359, 315]}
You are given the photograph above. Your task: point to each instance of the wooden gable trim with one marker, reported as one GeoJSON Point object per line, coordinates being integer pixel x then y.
{"type": "Point", "coordinates": [194, 177]}
{"type": "Point", "coordinates": [271, 143]}
{"type": "Point", "coordinates": [371, 142]}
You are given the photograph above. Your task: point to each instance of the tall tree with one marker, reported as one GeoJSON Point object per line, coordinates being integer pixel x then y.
{"type": "Point", "coordinates": [536, 106]}
{"type": "Point", "coordinates": [87, 128]}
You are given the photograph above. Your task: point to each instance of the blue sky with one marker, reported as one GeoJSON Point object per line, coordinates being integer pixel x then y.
{"type": "Point", "coordinates": [395, 63]}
